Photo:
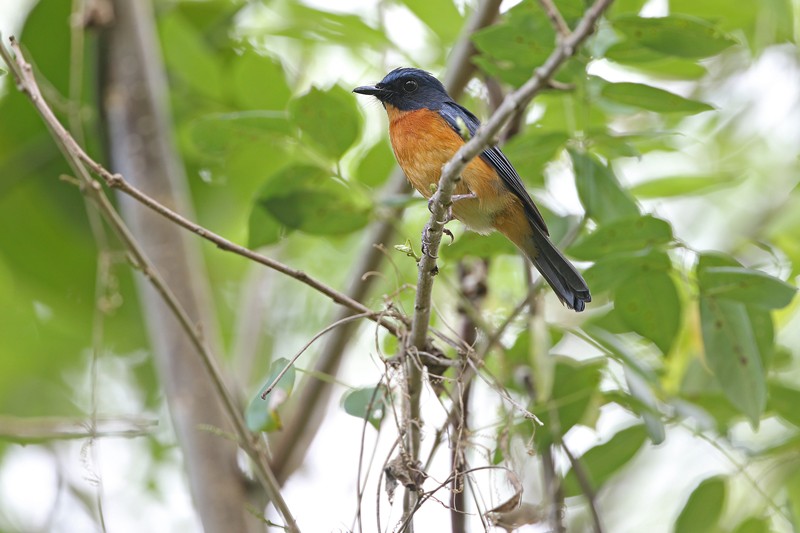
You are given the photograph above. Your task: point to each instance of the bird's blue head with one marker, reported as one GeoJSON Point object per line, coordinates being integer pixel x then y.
{"type": "Point", "coordinates": [408, 89]}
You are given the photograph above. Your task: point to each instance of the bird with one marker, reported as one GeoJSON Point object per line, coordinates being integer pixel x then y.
{"type": "Point", "coordinates": [426, 128]}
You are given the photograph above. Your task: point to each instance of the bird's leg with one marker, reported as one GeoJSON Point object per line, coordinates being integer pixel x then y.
{"type": "Point", "coordinates": [453, 199]}
{"type": "Point", "coordinates": [456, 197]}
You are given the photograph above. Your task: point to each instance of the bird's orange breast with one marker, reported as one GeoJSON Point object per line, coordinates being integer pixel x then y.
{"type": "Point", "coordinates": [423, 142]}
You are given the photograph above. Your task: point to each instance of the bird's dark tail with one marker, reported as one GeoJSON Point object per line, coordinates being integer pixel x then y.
{"type": "Point", "coordinates": [567, 283]}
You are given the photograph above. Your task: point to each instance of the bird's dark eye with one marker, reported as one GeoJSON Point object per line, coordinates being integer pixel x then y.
{"type": "Point", "coordinates": [410, 86]}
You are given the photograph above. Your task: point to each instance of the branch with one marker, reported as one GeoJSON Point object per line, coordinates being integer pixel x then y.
{"type": "Point", "coordinates": [556, 19]}
{"type": "Point", "coordinates": [116, 181]}
{"type": "Point", "coordinates": [586, 486]}
{"type": "Point", "coordinates": [26, 83]}
{"type": "Point", "coordinates": [18, 429]}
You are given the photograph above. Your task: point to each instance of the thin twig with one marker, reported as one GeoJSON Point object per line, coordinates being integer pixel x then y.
{"type": "Point", "coordinates": [292, 361]}
{"type": "Point", "coordinates": [360, 489]}
{"type": "Point", "coordinates": [406, 523]}
{"type": "Point", "coordinates": [17, 429]}
{"type": "Point", "coordinates": [556, 19]}
{"type": "Point", "coordinates": [586, 486]}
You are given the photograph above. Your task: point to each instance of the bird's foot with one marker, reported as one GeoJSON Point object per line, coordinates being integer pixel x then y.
{"type": "Point", "coordinates": [449, 234]}
{"type": "Point", "coordinates": [457, 197]}
{"type": "Point", "coordinates": [453, 199]}
{"type": "Point", "coordinates": [426, 242]}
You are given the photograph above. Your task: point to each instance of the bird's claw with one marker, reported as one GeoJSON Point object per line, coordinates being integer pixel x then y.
{"type": "Point", "coordinates": [449, 234]}
{"type": "Point", "coordinates": [426, 241]}
{"type": "Point", "coordinates": [448, 215]}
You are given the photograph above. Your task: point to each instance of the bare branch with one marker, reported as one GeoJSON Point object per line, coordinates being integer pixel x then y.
{"type": "Point", "coordinates": [586, 486]}
{"type": "Point", "coordinates": [18, 429]}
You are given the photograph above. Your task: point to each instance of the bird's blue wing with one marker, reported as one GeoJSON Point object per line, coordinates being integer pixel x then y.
{"type": "Point", "coordinates": [452, 112]}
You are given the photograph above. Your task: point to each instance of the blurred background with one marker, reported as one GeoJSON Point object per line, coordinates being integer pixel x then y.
{"type": "Point", "coordinates": [665, 160]}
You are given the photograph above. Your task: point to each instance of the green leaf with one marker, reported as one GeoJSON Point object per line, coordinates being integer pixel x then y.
{"type": "Point", "coordinates": [258, 82]}
{"type": "Point", "coordinates": [189, 58]}
{"type": "Point", "coordinates": [216, 134]}
{"type": "Point", "coordinates": [747, 286]}
{"type": "Point", "coordinates": [611, 271]}
{"type": "Point", "coordinates": [471, 244]}
{"type": "Point", "coordinates": [651, 98]}
{"type": "Point", "coordinates": [532, 150]}
{"type": "Point", "coordinates": [511, 49]}
{"type": "Point", "coordinates": [641, 390]}
{"type": "Point", "coordinates": [753, 525]}
{"type": "Point", "coordinates": [329, 119]}
{"type": "Point", "coordinates": [704, 507]}
{"type": "Point", "coordinates": [649, 304]}
{"type": "Point", "coordinates": [674, 186]}
{"type": "Point", "coordinates": [764, 332]}
{"type": "Point", "coordinates": [310, 25]}
{"type": "Point", "coordinates": [792, 487]}
{"type": "Point", "coordinates": [621, 7]}
{"type": "Point", "coordinates": [599, 191]}
{"type": "Point", "coordinates": [262, 229]}
{"type": "Point", "coordinates": [263, 415]}
{"type": "Point", "coordinates": [368, 403]}
{"type": "Point", "coordinates": [783, 400]}
{"type": "Point", "coordinates": [603, 461]}
{"type": "Point", "coordinates": [308, 199]}
{"type": "Point", "coordinates": [748, 18]}
{"type": "Point", "coordinates": [575, 385]}
{"type": "Point", "coordinates": [732, 354]}
{"type": "Point", "coordinates": [374, 168]}
{"type": "Point", "coordinates": [568, 108]}
{"type": "Point", "coordinates": [441, 16]}
{"type": "Point", "coordinates": [633, 55]}
{"type": "Point", "coordinates": [623, 235]}
{"type": "Point", "coordinates": [319, 212]}
{"type": "Point", "coordinates": [676, 35]}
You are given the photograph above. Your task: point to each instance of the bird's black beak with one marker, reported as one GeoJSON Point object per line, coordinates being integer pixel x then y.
{"type": "Point", "coordinates": [369, 89]}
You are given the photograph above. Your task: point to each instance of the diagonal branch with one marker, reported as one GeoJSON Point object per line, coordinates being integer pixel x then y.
{"type": "Point", "coordinates": [556, 19]}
